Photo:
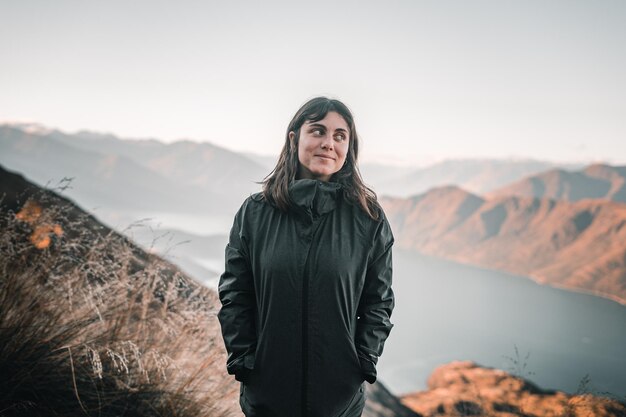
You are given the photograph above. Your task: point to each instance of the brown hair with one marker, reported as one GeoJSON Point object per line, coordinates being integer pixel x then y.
{"type": "Point", "coordinates": [276, 184]}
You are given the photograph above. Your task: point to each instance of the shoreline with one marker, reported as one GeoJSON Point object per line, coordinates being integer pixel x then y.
{"type": "Point", "coordinates": [534, 278]}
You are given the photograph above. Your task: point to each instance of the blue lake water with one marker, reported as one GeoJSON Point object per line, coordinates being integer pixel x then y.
{"type": "Point", "coordinates": [447, 311]}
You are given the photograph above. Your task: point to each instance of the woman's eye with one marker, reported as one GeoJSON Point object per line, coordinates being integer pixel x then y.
{"type": "Point", "coordinates": [318, 132]}
{"type": "Point", "coordinates": [340, 137]}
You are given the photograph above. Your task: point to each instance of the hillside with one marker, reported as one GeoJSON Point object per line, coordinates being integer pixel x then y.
{"type": "Point", "coordinates": [580, 246]}
{"type": "Point", "coordinates": [92, 325]}
{"type": "Point", "coordinates": [598, 181]}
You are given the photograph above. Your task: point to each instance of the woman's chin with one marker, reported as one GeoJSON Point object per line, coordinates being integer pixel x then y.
{"type": "Point", "coordinates": [317, 174]}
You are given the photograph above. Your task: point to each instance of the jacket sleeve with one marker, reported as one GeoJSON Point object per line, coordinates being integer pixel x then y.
{"type": "Point", "coordinates": [376, 303]}
{"type": "Point", "coordinates": [236, 293]}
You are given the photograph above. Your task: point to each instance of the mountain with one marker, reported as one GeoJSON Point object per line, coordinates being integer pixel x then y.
{"type": "Point", "coordinates": [597, 181]}
{"type": "Point", "coordinates": [268, 162]}
{"type": "Point", "coordinates": [580, 245]}
{"type": "Point", "coordinates": [381, 176]}
{"type": "Point", "coordinates": [201, 164]}
{"type": "Point", "coordinates": [143, 175]}
{"type": "Point", "coordinates": [99, 178]}
{"type": "Point", "coordinates": [474, 175]}
{"type": "Point", "coordinates": [464, 388]}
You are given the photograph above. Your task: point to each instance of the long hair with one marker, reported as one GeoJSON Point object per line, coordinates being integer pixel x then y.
{"type": "Point", "coordinates": [276, 184]}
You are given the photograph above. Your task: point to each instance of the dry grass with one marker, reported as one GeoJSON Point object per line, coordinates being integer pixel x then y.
{"type": "Point", "coordinates": [90, 325]}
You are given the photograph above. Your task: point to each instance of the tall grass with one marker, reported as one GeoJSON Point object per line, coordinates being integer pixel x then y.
{"type": "Point", "coordinates": [90, 325]}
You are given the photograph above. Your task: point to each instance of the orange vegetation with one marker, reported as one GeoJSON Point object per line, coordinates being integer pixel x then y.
{"type": "Point", "coordinates": [464, 388]}
{"type": "Point", "coordinates": [43, 231]}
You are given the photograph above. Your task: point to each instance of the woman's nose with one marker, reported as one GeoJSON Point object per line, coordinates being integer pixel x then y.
{"type": "Point", "coordinates": [327, 143]}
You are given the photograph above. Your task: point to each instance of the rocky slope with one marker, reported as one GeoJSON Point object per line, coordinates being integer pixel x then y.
{"type": "Point", "coordinates": [467, 389]}
{"type": "Point", "coordinates": [581, 245]}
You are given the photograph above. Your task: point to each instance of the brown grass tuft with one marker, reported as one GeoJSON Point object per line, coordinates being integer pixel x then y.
{"type": "Point", "coordinates": [90, 325]}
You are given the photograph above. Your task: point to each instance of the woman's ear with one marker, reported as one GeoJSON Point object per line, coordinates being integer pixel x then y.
{"type": "Point", "coordinates": [292, 141]}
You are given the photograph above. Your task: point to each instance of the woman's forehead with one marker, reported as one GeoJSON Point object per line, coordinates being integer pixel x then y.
{"type": "Point", "coordinates": [331, 117]}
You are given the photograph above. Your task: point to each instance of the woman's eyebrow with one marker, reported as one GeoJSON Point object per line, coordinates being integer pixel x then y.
{"type": "Point", "coordinates": [339, 129]}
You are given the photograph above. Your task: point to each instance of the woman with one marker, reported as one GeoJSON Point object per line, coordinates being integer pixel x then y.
{"type": "Point", "coordinates": [306, 294]}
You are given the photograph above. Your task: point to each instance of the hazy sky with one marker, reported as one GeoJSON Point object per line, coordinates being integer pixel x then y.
{"type": "Point", "coordinates": [425, 80]}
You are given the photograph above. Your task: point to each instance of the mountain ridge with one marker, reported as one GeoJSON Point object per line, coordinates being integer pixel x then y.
{"type": "Point", "coordinates": [579, 246]}
{"type": "Point", "coordinates": [596, 181]}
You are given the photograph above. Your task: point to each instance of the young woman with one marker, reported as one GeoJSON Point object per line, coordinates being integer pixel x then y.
{"type": "Point", "coordinates": [306, 294]}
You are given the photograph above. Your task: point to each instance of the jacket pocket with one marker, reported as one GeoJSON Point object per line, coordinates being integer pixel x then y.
{"type": "Point", "coordinates": [355, 358]}
{"type": "Point", "coordinates": [356, 404]}
{"type": "Point", "coordinates": [355, 354]}
{"type": "Point", "coordinates": [246, 408]}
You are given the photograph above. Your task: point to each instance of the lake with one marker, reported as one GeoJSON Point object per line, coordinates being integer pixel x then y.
{"type": "Point", "coordinates": [447, 311]}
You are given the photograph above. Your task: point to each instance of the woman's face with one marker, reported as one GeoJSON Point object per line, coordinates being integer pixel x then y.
{"type": "Point", "coordinates": [323, 147]}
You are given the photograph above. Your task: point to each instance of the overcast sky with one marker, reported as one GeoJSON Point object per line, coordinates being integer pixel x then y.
{"type": "Point", "coordinates": [425, 80]}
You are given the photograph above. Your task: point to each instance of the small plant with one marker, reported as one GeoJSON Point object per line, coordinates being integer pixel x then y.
{"type": "Point", "coordinates": [517, 364]}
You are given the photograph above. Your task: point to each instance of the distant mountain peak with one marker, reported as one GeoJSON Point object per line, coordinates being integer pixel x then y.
{"type": "Point", "coordinates": [447, 190]}
{"type": "Point", "coordinates": [595, 181]}
{"type": "Point", "coordinates": [32, 128]}
{"type": "Point", "coordinates": [604, 171]}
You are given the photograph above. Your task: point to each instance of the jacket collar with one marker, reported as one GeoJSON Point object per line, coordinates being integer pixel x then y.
{"type": "Point", "coordinates": [314, 197]}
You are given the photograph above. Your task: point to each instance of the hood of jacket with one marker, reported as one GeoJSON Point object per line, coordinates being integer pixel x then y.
{"type": "Point", "coordinates": [313, 197]}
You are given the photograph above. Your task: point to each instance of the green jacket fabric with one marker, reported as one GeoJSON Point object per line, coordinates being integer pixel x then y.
{"type": "Point", "coordinates": [306, 302]}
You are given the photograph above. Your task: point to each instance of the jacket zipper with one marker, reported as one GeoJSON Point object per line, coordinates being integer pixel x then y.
{"type": "Point", "coordinates": [305, 318]}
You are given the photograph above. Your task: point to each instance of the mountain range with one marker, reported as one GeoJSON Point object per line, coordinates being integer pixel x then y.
{"type": "Point", "coordinates": [563, 227]}
{"type": "Point", "coordinates": [578, 245]}
{"type": "Point", "coordinates": [189, 176]}
{"type": "Point", "coordinates": [475, 175]}
{"type": "Point", "coordinates": [184, 176]}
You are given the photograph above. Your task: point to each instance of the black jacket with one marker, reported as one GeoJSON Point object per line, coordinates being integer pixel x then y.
{"type": "Point", "coordinates": [306, 302]}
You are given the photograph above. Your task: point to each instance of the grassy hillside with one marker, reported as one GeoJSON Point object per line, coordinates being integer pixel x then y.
{"type": "Point", "coordinates": [92, 325]}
